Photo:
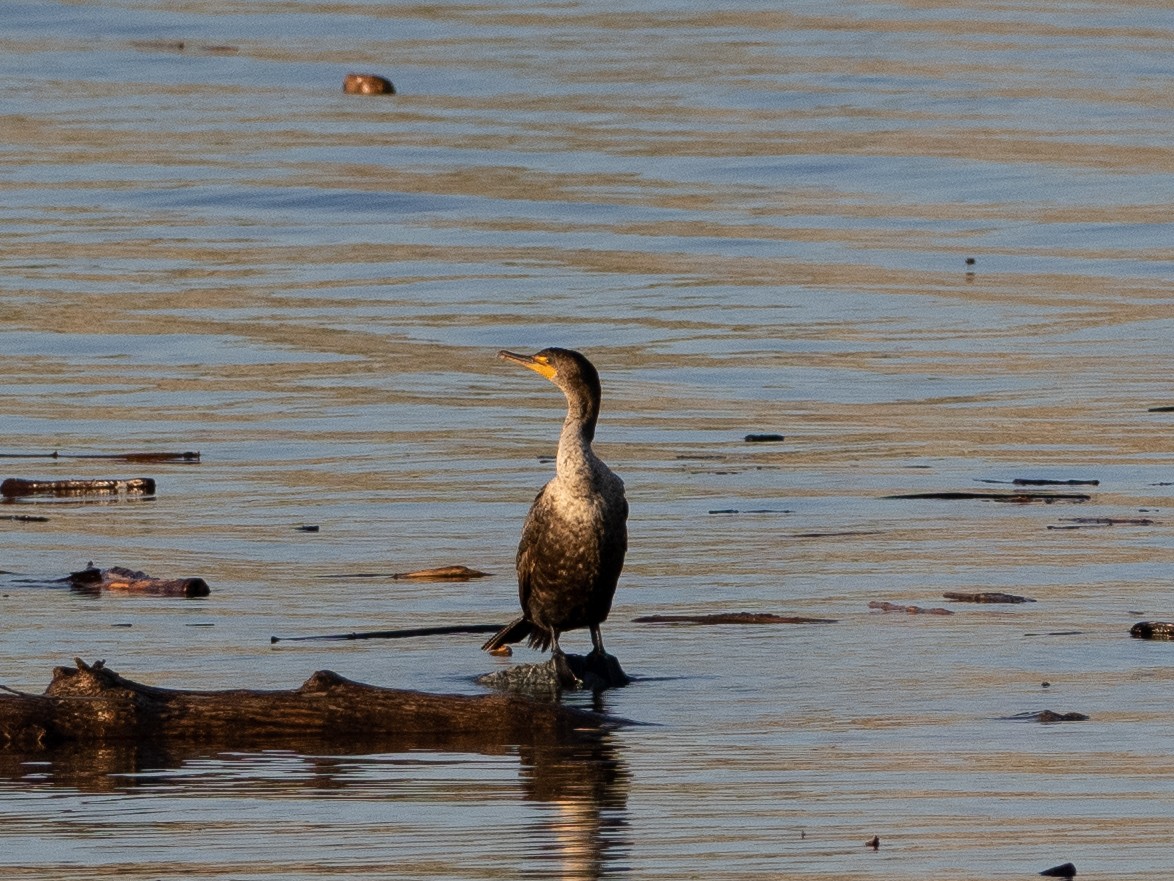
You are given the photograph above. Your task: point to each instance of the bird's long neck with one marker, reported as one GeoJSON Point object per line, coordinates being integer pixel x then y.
{"type": "Point", "coordinates": [577, 462]}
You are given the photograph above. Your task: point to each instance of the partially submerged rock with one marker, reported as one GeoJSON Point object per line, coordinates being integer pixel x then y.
{"type": "Point", "coordinates": [367, 84]}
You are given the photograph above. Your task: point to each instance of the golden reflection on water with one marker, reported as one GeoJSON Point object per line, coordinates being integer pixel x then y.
{"type": "Point", "coordinates": [754, 220]}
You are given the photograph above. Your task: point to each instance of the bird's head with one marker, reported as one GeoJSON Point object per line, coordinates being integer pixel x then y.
{"type": "Point", "coordinates": [567, 369]}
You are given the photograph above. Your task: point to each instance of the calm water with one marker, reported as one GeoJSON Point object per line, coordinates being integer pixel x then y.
{"type": "Point", "coordinates": [754, 218]}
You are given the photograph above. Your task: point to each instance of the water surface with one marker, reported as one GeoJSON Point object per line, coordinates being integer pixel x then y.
{"type": "Point", "coordinates": [753, 218]}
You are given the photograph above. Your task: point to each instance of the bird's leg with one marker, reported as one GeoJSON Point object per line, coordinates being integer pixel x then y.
{"type": "Point", "coordinates": [602, 664]}
{"type": "Point", "coordinates": [566, 676]}
{"type": "Point", "coordinates": [597, 641]}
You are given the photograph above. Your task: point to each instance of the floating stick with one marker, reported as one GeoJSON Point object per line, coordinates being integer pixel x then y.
{"type": "Point", "coordinates": [397, 634]}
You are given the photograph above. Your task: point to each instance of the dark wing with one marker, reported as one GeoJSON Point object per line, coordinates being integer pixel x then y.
{"type": "Point", "coordinates": [535, 532]}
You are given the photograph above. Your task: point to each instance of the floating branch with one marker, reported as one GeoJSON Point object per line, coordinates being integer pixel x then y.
{"type": "Point", "coordinates": [732, 618]}
{"type": "Point", "coordinates": [408, 633]}
{"type": "Point", "coordinates": [882, 606]}
{"type": "Point", "coordinates": [1029, 481]}
{"type": "Point", "coordinates": [1014, 497]}
{"type": "Point", "coordinates": [1089, 522]}
{"type": "Point", "coordinates": [764, 438]}
{"type": "Point", "coordinates": [114, 457]}
{"type": "Point", "coordinates": [15, 487]}
{"type": "Point", "coordinates": [439, 573]}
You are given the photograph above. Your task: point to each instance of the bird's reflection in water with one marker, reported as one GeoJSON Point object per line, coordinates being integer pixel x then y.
{"type": "Point", "coordinates": [582, 786]}
{"type": "Point", "coordinates": [587, 786]}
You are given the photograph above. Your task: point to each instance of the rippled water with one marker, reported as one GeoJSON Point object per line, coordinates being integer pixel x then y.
{"type": "Point", "coordinates": [754, 217]}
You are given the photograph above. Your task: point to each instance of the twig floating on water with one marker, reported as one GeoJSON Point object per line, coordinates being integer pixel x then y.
{"type": "Point", "coordinates": [1095, 522]}
{"type": "Point", "coordinates": [407, 633]}
{"type": "Point", "coordinates": [1042, 481]}
{"type": "Point", "coordinates": [1164, 409]}
{"type": "Point", "coordinates": [883, 606]}
{"type": "Point", "coordinates": [764, 438]}
{"type": "Point", "coordinates": [1014, 497]}
{"type": "Point", "coordinates": [438, 573]}
{"type": "Point", "coordinates": [14, 487]}
{"type": "Point", "coordinates": [25, 518]}
{"type": "Point", "coordinates": [732, 618]}
{"type": "Point", "coordinates": [115, 457]}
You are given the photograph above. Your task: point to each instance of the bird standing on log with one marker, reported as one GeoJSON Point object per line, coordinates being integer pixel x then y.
{"type": "Point", "coordinates": [575, 536]}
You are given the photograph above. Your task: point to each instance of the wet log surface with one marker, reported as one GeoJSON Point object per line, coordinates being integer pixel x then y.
{"type": "Point", "coordinates": [90, 703]}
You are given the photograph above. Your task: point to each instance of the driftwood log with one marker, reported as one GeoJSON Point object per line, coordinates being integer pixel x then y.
{"type": "Point", "coordinates": [15, 487]}
{"type": "Point", "coordinates": [90, 703]}
{"type": "Point", "coordinates": [92, 580]}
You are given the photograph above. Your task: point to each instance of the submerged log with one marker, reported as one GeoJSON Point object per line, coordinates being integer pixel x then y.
{"type": "Point", "coordinates": [93, 704]}
{"type": "Point", "coordinates": [15, 487]}
{"type": "Point", "coordinates": [986, 596]}
{"type": "Point", "coordinates": [93, 580]}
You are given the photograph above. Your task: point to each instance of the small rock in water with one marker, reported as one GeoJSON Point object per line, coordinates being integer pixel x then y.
{"type": "Point", "coordinates": [873, 842]}
{"type": "Point", "coordinates": [1065, 871]}
{"type": "Point", "coordinates": [367, 84]}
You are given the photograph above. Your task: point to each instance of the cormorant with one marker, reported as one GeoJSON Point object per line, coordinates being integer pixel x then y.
{"type": "Point", "coordinates": [575, 536]}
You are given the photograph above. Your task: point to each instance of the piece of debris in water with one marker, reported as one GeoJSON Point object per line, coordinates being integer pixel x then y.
{"type": "Point", "coordinates": [764, 438]}
{"type": "Point", "coordinates": [1047, 717]}
{"type": "Point", "coordinates": [883, 606]}
{"type": "Point", "coordinates": [732, 618]}
{"type": "Point", "coordinates": [15, 487]}
{"type": "Point", "coordinates": [1152, 630]}
{"type": "Point", "coordinates": [367, 84]}
{"type": "Point", "coordinates": [94, 580]}
{"type": "Point", "coordinates": [1019, 498]}
{"type": "Point", "coordinates": [1098, 522]}
{"type": "Point", "coordinates": [986, 596]}
{"type": "Point", "coordinates": [1067, 870]}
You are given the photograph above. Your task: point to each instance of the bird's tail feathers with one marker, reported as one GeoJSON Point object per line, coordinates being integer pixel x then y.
{"type": "Point", "coordinates": [517, 630]}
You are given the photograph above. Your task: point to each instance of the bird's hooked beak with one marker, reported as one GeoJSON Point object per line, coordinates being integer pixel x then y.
{"type": "Point", "coordinates": [538, 363]}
